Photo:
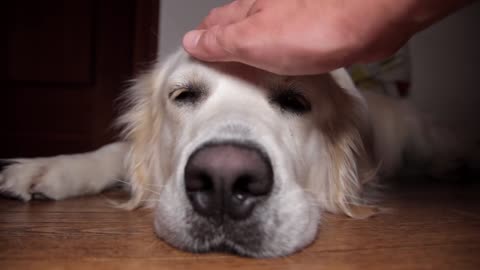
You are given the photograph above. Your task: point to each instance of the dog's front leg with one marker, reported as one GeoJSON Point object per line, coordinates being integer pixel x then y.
{"type": "Point", "coordinates": [64, 176]}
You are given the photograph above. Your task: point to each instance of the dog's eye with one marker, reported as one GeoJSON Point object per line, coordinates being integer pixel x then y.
{"type": "Point", "coordinates": [292, 102]}
{"type": "Point", "coordinates": [185, 96]}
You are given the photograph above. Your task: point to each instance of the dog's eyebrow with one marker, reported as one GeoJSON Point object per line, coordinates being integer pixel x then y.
{"type": "Point", "coordinates": [286, 85]}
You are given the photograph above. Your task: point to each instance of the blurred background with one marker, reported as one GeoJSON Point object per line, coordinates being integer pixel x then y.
{"type": "Point", "coordinates": [65, 62]}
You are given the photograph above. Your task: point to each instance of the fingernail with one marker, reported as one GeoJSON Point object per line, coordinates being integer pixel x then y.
{"type": "Point", "coordinates": [190, 40]}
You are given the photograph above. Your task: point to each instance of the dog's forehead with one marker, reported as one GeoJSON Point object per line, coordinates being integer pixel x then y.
{"type": "Point", "coordinates": [191, 69]}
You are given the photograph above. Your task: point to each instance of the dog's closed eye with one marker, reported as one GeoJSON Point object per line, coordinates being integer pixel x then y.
{"type": "Point", "coordinates": [186, 95]}
{"type": "Point", "coordinates": [292, 102]}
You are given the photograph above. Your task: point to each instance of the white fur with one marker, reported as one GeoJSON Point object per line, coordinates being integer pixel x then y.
{"type": "Point", "coordinates": [321, 160]}
{"type": "Point", "coordinates": [65, 176]}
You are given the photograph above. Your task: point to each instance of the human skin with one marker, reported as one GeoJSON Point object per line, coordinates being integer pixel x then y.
{"type": "Point", "coordinates": [299, 37]}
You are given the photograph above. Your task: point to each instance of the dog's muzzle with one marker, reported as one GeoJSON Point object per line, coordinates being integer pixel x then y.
{"type": "Point", "coordinates": [227, 180]}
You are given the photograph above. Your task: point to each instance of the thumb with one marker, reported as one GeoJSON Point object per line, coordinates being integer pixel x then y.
{"type": "Point", "coordinates": [205, 44]}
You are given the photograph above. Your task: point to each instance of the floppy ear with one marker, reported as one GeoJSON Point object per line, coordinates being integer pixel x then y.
{"type": "Point", "coordinates": [141, 124]}
{"type": "Point", "coordinates": [351, 170]}
{"type": "Point", "coordinates": [346, 130]}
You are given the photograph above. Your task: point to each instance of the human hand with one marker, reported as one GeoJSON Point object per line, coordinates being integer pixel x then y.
{"type": "Point", "coordinates": [296, 37]}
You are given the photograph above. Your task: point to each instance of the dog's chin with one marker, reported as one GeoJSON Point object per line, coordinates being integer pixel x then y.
{"type": "Point", "coordinates": [249, 238]}
{"type": "Point", "coordinates": [206, 240]}
{"type": "Point", "coordinates": [204, 235]}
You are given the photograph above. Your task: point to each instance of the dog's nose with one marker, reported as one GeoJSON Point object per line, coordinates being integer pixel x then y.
{"type": "Point", "coordinates": [227, 179]}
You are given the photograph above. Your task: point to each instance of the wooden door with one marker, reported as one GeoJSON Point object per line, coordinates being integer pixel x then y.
{"type": "Point", "coordinates": [63, 65]}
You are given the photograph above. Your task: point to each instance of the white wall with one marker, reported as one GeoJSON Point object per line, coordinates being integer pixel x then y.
{"type": "Point", "coordinates": [179, 16]}
{"type": "Point", "coordinates": [445, 58]}
{"type": "Point", "coordinates": [446, 74]}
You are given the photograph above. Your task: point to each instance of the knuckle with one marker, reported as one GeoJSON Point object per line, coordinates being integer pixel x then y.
{"type": "Point", "coordinates": [213, 16]}
{"type": "Point", "coordinates": [214, 12]}
{"type": "Point", "coordinates": [244, 3]}
{"type": "Point", "coordinates": [238, 41]}
{"type": "Point", "coordinates": [244, 6]}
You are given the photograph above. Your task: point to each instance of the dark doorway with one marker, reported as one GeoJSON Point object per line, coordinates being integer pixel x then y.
{"type": "Point", "coordinates": [64, 64]}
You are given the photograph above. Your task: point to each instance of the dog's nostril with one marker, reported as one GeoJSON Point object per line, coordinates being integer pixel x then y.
{"type": "Point", "coordinates": [241, 184]}
{"type": "Point", "coordinates": [198, 182]}
{"type": "Point", "coordinates": [249, 185]}
{"type": "Point", "coordinates": [200, 190]}
{"type": "Point", "coordinates": [227, 179]}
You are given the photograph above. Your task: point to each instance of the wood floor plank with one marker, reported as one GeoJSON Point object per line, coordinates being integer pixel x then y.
{"type": "Point", "coordinates": [434, 226]}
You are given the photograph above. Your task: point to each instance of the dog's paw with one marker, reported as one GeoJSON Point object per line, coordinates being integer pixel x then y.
{"type": "Point", "coordinates": [21, 178]}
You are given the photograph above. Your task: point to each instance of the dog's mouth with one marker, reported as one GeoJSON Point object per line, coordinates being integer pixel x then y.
{"type": "Point", "coordinates": [242, 238]}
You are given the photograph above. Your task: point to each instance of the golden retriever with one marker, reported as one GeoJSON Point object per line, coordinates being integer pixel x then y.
{"type": "Point", "coordinates": [234, 158]}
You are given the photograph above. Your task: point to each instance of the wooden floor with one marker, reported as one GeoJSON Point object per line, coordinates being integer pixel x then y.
{"type": "Point", "coordinates": [430, 226]}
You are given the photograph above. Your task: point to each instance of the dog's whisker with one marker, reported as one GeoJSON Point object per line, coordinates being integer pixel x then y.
{"type": "Point", "coordinates": [155, 185]}
{"type": "Point", "coordinates": [151, 190]}
{"type": "Point", "coordinates": [141, 187]}
{"type": "Point", "coordinates": [123, 182]}
{"type": "Point", "coordinates": [129, 183]}
{"type": "Point", "coordinates": [152, 245]}
{"type": "Point", "coordinates": [314, 194]}
{"type": "Point", "coordinates": [314, 201]}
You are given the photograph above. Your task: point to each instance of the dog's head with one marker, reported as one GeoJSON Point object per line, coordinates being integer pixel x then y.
{"type": "Point", "coordinates": [234, 158]}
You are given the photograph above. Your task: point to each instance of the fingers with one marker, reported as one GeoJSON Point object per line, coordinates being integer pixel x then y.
{"type": "Point", "coordinates": [221, 43]}
{"type": "Point", "coordinates": [203, 45]}
{"type": "Point", "coordinates": [222, 33]}
{"type": "Point", "coordinates": [227, 14]}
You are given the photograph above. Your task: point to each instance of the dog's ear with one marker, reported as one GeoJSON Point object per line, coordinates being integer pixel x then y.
{"type": "Point", "coordinates": [138, 122]}
{"type": "Point", "coordinates": [351, 169]}
{"type": "Point", "coordinates": [141, 124]}
{"type": "Point", "coordinates": [346, 130]}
